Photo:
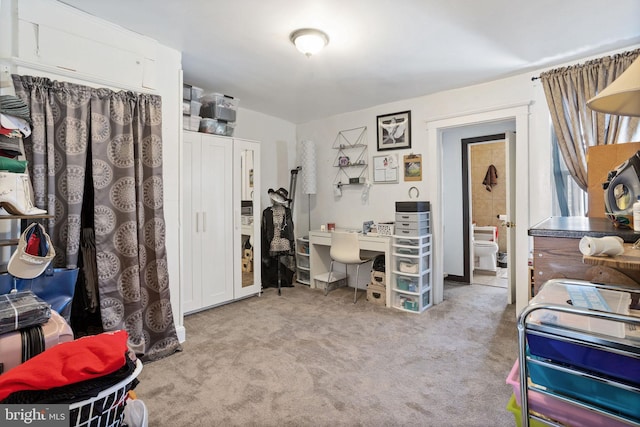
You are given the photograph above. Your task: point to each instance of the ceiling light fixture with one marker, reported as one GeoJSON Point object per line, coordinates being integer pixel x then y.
{"type": "Point", "coordinates": [622, 97]}
{"type": "Point", "coordinates": [309, 40]}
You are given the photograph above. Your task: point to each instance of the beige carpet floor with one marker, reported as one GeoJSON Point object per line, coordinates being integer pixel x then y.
{"type": "Point", "coordinates": [303, 359]}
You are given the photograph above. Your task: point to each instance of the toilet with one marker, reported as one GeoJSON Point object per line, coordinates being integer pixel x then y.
{"type": "Point", "coordinates": [485, 248]}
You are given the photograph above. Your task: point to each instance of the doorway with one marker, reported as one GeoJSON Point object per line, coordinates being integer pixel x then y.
{"type": "Point", "coordinates": [447, 217]}
{"type": "Point", "coordinates": [457, 235]}
{"type": "Point", "coordinates": [484, 201]}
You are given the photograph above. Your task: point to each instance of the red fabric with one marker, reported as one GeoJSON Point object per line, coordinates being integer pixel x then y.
{"type": "Point", "coordinates": [33, 246]}
{"type": "Point", "coordinates": [5, 131]}
{"type": "Point", "coordinates": [68, 363]}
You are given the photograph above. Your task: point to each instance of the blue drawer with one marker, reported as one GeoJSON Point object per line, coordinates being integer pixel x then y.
{"type": "Point", "coordinates": [618, 366]}
{"type": "Point", "coordinates": [616, 397]}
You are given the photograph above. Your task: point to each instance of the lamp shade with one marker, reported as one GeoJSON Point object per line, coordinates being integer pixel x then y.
{"type": "Point", "coordinates": [622, 97]}
{"type": "Point", "coordinates": [307, 157]}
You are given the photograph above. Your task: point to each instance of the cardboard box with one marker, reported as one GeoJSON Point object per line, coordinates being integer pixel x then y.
{"type": "Point", "coordinates": [601, 160]}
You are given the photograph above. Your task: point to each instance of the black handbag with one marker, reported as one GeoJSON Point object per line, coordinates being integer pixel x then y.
{"type": "Point", "coordinates": [55, 286]}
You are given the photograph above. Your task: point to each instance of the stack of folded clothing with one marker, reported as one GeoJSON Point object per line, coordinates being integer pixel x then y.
{"type": "Point", "coordinates": [16, 194]}
{"type": "Point", "coordinates": [22, 309]}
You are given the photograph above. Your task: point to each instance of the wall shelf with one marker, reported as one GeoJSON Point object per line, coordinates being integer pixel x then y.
{"type": "Point", "coordinates": [351, 158]}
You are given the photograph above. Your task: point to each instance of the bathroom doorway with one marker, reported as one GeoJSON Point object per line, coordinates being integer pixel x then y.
{"type": "Point", "coordinates": [484, 195]}
{"type": "Point", "coordinates": [457, 240]}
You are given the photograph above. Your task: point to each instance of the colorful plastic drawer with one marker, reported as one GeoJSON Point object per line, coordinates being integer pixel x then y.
{"type": "Point", "coordinates": [556, 409]}
{"type": "Point", "coordinates": [513, 407]}
{"type": "Point", "coordinates": [623, 367]}
{"type": "Point", "coordinates": [615, 397]}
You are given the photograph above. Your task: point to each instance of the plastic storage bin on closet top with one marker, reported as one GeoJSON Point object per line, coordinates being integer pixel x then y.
{"type": "Point", "coordinates": [219, 106]}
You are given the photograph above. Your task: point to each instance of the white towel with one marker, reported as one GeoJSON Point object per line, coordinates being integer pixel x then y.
{"type": "Point", "coordinates": [608, 245]}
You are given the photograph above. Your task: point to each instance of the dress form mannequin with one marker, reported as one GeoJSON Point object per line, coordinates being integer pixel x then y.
{"type": "Point", "coordinates": [278, 242]}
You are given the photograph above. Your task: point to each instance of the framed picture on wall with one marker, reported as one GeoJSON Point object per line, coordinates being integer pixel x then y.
{"type": "Point", "coordinates": [413, 167]}
{"type": "Point", "coordinates": [394, 131]}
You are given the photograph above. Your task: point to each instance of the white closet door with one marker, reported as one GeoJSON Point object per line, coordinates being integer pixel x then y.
{"type": "Point", "coordinates": [191, 273]}
{"type": "Point", "coordinates": [216, 248]}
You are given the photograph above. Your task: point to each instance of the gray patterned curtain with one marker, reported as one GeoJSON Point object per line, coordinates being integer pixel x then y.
{"type": "Point", "coordinates": [121, 132]}
{"type": "Point", "coordinates": [577, 127]}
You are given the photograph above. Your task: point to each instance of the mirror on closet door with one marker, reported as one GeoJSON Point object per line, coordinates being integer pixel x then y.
{"type": "Point", "coordinates": [247, 213]}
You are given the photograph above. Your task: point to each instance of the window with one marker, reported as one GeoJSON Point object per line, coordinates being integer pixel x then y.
{"type": "Point", "coordinates": [569, 199]}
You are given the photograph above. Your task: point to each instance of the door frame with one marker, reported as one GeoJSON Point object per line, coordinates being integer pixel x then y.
{"type": "Point", "coordinates": [433, 165]}
{"type": "Point", "coordinates": [466, 199]}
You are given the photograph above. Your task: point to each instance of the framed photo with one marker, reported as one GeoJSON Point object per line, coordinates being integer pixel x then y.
{"type": "Point", "coordinates": [385, 169]}
{"type": "Point", "coordinates": [413, 167]}
{"type": "Point", "coordinates": [394, 131]}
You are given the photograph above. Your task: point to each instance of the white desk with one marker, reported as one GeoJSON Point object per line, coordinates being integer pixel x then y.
{"type": "Point", "coordinates": [320, 260]}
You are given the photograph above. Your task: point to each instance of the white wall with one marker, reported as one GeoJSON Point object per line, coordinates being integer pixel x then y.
{"type": "Point", "coordinates": [277, 149]}
{"type": "Point", "coordinates": [534, 179]}
{"type": "Point", "coordinates": [156, 68]}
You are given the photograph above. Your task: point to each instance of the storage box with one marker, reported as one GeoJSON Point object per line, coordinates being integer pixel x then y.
{"type": "Point", "coordinates": [216, 127]}
{"type": "Point", "coordinates": [186, 92]}
{"type": "Point", "coordinates": [378, 277]}
{"type": "Point", "coordinates": [412, 217]}
{"type": "Point", "coordinates": [191, 123]}
{"type": "Point", "coordinates": [557, 291]}
{"type": "Point", "coordinates": [303, 247]}
{"type": "Point", "coordinates": [415, 232]}
{"type": "Point", "coordinates": [219, 106]}
{"type": "Point", "coordinates": [196, 93]}
{"type": "Point", "coordinates": [410, 304]}
{"type": "Point", "coordinates": [385, 228]}
{"type": "Point", "coordinates": [302, 276]}
{"type": "Point", "coordinates": [409, 284]}
{"type": "Point", "coordinates": [610, 395]}
{"type": "Point", "coordinates": [556, 409]}
{"type": "Point", "coordinates": [413, 206]}
{"type": "Point", "coordinates": [377, 294]}
{"type": "Point", "coordinates": [411, 265]}
{"type": "Point", "coordinates": [195, 108]}
{"type": "Point", "coordinates": [303, 261]}
{"type": "Point", "coordinates": [407, 251]}
{"type": "Point", "coordinates": [337, 279]}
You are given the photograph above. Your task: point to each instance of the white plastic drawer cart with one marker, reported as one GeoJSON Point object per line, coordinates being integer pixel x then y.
{"type": "Point", "coordinates": [411, 273]}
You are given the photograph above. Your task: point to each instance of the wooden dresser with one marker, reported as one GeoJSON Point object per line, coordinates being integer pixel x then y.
{"type": "Point", "coordinates": [556, 252]}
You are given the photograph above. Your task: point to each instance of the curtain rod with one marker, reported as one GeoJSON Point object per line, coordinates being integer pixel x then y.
{"type": "Point", "coordinates": [534, 78]}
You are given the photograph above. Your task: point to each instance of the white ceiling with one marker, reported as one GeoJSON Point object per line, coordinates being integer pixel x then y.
{"type": "Point", "coordinates": [379, 51]}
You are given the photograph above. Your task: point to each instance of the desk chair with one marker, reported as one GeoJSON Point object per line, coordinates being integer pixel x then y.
{"type": "Point", "coordinates": [345, 249]}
